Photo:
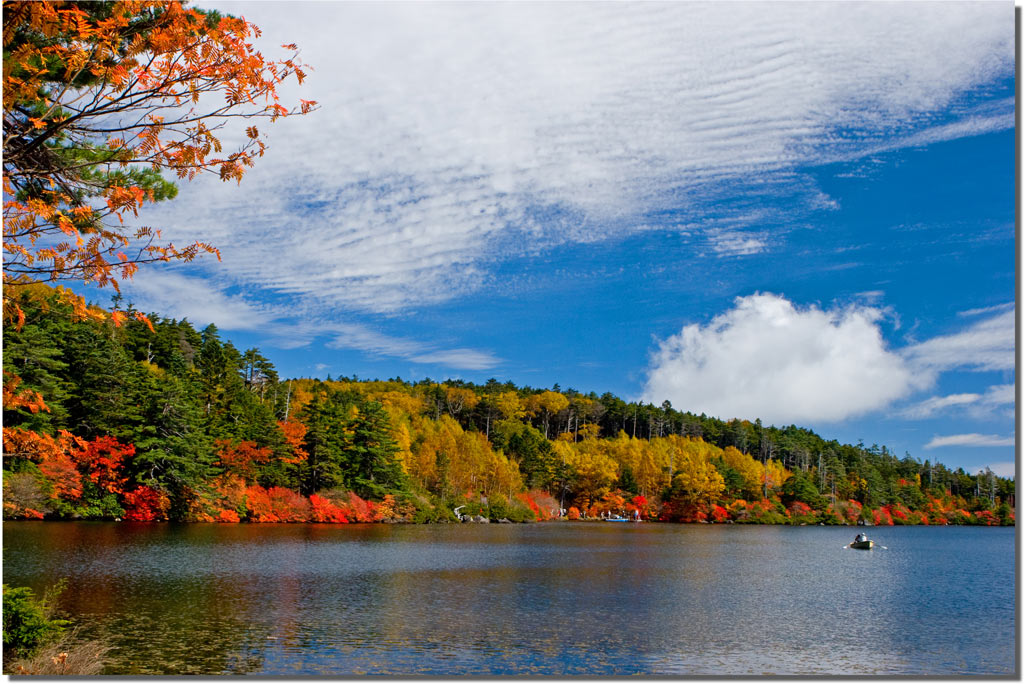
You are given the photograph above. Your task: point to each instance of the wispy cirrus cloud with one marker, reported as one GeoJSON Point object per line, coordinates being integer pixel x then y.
{"type": "Point", "coordinates": [363, 338]}
{"type": "Point", "coordinates": [175, 295]}
{"type": "Point", "coordinates": [997, 400]}
{"type": "Point", "coordinates": [997, 308]}
{"type": "Point", "coordinates": [454, 136]}
{"type": "Point", "coordinates": [969, 440]}
{"type": "Point", "coordinates": [988, 344]}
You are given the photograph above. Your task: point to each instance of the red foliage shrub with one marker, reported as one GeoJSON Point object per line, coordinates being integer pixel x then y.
{"type": "Point", "coordinates": [288, 506]}
{"type": "Point", "coordinates": [853, 509]}
{"type": "Point", "coordinates": [324, 511]}
{"type": "Point", "coordinates": [145, 504]}
{"type": "Point", "coordinates": [719, 514]}
{"type": "Point", "coordinates": [226, 516]}
{"type": "Point", "coordinates": [799, 508]}
{"type": "Point", "coordinates": [883, 516]}
{"type": "Point", "coordinates": [258, 506]}
{"type": "Point", "coordinates": [528, 500]}
{"type": "Point", "coordinates": [573, 513]}
{"type": "Point", "coordinates": [360, 509]}
{"type": "Point", "coordinates": [985, 518]}
{"type": "Point", "coordinates": [547, 504]}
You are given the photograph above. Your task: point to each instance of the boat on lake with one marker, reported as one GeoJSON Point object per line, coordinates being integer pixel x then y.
{"type": "Point", "coordinates": [617, 518]}
{"type": "Point", "coordinates": [861, 541]}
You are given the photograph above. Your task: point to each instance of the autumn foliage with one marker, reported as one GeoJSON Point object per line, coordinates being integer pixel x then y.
{"type": "Point", "coordinates": [99, 100]}
{"type": "Point", "coordinates": [170, 423]}
{"type": "Point", "coordinates": [145, 504]}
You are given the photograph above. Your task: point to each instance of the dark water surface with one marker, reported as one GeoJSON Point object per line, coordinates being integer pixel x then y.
{"type": "Point", "coordinates": [545, 599]}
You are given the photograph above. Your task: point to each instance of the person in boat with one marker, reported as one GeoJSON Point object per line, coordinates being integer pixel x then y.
{"type": "Point", "coordinates": [861, 537]}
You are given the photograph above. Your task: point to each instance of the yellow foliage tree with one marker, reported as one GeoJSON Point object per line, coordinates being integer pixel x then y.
{"type": "Point", "coordinates": [459, 399]}
{"type": "Point", "coordinates": [510, 405]}
{"type": "Point", "coordinates": [595, 469]}
{"type": "Point", "coordinates": [750, 469]}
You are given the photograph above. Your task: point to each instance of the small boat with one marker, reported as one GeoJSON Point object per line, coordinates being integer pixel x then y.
{"type": "Point", "coordinates": [861, 541]}
{"type": "Point", "coordinates": [617, 518]}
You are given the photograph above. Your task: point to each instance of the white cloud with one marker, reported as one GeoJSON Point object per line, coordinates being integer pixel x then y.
{"type": "Point", "coordinates": [174, 295]}
{"type": "Point", "coordinates": [766, 358]}
{"type": "Point", "coordinates": [969, 440]}
{"type": "Point", "coordinates": [987, 309]}
{"type": "Point", "coordinates": [451, 136]}
{"type": "Point", "coordinates": [468, 359]}
{"type": "Point", "coordinates": [352, 336]}
{"type": "Point", "coordinates": [988, 345]}
{"type": "Point", "coordinates": [997, 400]}
{"type": "Point", "coordinates": [933, 405]}
{"type": "Point", "coordinates": [736, 244]}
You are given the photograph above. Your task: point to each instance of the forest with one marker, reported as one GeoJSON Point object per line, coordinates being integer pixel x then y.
{"type": "Point", "coordinates": [145, 418]}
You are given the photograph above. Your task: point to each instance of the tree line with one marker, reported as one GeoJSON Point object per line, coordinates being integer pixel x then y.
{"type": "Point", "coordinates": [148, 418]}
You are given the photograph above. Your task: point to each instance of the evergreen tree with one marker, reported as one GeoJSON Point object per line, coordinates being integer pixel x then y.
{"type": "Point", "coordinates": [370, 465]}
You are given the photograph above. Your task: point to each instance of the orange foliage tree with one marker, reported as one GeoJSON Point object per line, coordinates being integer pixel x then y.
{"type": "Point", "coordinates": [101, 462]}
{"type": "Point", "coordinates": [241, 458]}
{"type": "Point", "coordinates": [99, 100]}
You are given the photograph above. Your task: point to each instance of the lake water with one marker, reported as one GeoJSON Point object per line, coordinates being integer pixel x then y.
{"type": "Point", "coordinates": [543, 599]}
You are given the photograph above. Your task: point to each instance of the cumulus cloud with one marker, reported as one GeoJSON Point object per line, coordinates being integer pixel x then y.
{"type": "Point", "coordinates": [969, 440]}
{"type": "Point", "coordinates": [453, 136]}
{"type": "Point", "coordinates": [769, 359]}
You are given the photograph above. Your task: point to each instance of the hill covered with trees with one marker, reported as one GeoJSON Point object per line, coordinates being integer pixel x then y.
{"type": "Point", "coordinates": [150, 419]}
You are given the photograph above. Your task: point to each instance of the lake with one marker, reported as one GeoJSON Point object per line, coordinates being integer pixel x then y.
{"type": "Point", "coordinates": [543, 599]}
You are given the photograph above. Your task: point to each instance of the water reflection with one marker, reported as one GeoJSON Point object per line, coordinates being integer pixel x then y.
{"type": "Point", "coordinates": [565, 599]}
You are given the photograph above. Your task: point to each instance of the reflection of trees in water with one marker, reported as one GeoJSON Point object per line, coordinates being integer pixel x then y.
{"type": "Point", "coordinates": [182, 620]}
{"type": "Point", "coordinates": [557, 599]}
{"type": "Point", "coordinates": [167, 642]}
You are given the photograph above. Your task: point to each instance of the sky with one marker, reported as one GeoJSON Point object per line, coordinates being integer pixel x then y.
{"type": "Point", "coordinates": [798, 212]}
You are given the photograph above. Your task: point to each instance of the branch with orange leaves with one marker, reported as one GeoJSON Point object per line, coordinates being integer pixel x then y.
{"type": "Point", "coordinates": [99, 99]}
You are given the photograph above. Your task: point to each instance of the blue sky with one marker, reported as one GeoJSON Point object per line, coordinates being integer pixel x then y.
{"type": "Point", "coordinates": [800, 212]}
